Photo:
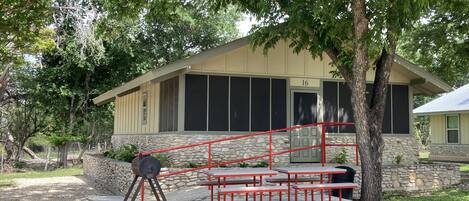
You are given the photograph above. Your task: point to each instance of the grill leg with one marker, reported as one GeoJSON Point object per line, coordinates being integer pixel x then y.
{"type": "Point", "coordinates": [138, 189]}
{"type": "Point", "coordinates": [153, 189]}
{"type": "Point", "coordinates": [127, 195]}
{"type": "Point", "coordinates": [306, 195]}
{"type": "Point", "coordinates": [160, 190]}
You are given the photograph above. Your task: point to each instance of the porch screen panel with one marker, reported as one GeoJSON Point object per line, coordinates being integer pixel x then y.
{"type": "Point", "coordinates": [345, 108]}
{"type": "Point", "coordinates": [195, 115]}
{"type": "Point", "coordinates": [260, 104]}
{"type": "Point", "coordinates": [400, 107]}
{"type": "Point", "coordinates": [387, 112]}
{"type": "Point", "coordinates": [218, 103]}
{"type": "Point", "coordinates": [279, 103]}
{"type": "Point", "coordinates": [169, 104]}
{"type": "Point", "coordinates": [330, 100]}
{"type": "Point", "coordinates": [239, 104]}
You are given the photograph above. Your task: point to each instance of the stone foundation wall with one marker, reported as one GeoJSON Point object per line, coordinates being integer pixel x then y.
{"type": "Point", "coordinates": [116, 176]}
{"type": "Point", "coordinates": [395, 145]}
{"type": "Point", "coordinates": [449, 152]}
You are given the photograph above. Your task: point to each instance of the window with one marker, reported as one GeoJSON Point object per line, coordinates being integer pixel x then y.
{"type": "Point", "coordinates": [144, 108]}
{"type": "Point", "coordinates": [169, 90]}
{"type": "Point", "coordinates": [337, 107]}
{"type": "Point", "coordinates": [224, 103]}
{"type": "Point", "coordinates": [218, 111]}
{"type": "Point", "coordinates": [195, 117]}
{"type": "Point", "coordinates": [239, 104]}
{"type": "Point", "coordinates": [452, 128]}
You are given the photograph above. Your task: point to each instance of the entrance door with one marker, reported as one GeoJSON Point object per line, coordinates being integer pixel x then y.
{"type": "Point", "coordinates": [305, 111]}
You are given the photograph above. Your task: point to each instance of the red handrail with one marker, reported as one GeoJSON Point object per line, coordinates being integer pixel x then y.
{"type": "Point", "coordinates": [271, 153]}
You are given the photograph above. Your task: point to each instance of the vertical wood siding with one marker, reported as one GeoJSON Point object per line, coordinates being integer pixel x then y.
{"type": "Point", "coordinates": [437, 129]}
{"type": "Point", "coordinates": [128, 111]}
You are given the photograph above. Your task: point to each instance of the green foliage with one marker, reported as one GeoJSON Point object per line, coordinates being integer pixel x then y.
{"type": "Point", "coordinates": [398, 159]}
{"type": "Point", "coordinates": [126, 152]}
{"type": "Point", "coordinates": [123, 153]}
{"type": "Point", "coordinates": [341, 157]}
{"type": "Point", "coordinates": [164, 159]}
{"type": "Point", "coordinates": [439, 42]}
{"type": "Point", "coordinates": [262, 164]}
{"type": "Point", "coordinates": [453, 194]}
{"type": "Point", "coordinates": [243, 165]}
{"type": "Point", "coordinates": [192, 165]}
{"type": "Point", "coordinates": [19, 165]}
{"type": "Point", "coordinates": [61, 139]}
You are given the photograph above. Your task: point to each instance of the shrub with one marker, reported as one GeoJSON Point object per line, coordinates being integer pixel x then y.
{"type": "Point", "coordinates": [126, 152]}
{"type": "Point", "coordinates": [243, 165]}
{"type": "Point", "coordinates": [19, 165]}
{"type": "Point", "coordinates": [164, 159]}
{"type": "Point", "coordinates": [262, 164]}
{"type": "Point", "coordinates": [341, 158]}
{"type": "Point", "coordinates": [398, 159]}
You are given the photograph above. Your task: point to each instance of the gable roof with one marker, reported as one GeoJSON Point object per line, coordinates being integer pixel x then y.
{"type": "Point", "coordinates": [424, 82]}
{"type": "Point", "coordinates": [455, 101]}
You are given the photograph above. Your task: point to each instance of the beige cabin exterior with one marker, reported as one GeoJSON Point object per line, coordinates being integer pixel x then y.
{"type": "Point", "coordinates": [139, 105]}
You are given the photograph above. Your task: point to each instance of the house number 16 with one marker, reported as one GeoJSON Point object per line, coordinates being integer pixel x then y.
{"type": "Point", "coordinates": [305, 83]}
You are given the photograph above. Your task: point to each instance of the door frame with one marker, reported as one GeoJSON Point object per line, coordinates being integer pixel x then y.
{"type": "Point", "coordinates": [292, 115]}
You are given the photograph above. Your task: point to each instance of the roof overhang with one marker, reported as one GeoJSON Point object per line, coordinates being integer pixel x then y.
{"type": "Point", "coordinates": [162, 72]}
{"type": "Point", "coordinates": [424, 82]}
{"type": "Point", "coordinates": [440, 112]}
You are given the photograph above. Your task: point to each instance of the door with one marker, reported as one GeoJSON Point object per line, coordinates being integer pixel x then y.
{"type": "Point", "coordinates": [305, 111]}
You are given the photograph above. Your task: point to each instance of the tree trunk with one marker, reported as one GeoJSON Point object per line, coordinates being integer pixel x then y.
{"type": "Point", "coordinates": [30, 153]}
{"type": "Point", "coordinates": [63, 155]}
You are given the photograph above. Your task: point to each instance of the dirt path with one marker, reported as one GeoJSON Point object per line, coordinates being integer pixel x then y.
{"type": "Point", "coordinates": [52, 188]}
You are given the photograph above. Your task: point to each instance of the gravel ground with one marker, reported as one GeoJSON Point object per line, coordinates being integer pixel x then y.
{"type": "Point", "coordinates": [52, 189]}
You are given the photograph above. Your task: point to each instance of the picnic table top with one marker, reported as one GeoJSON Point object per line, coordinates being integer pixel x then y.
{"type": "Point", "coordinates": [310, 170]}
{"type": "Point", "coordinates": [241, 172]}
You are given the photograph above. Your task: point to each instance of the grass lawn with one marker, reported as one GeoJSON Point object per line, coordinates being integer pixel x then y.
{"type": "Point", "coordinates": [445, 195]}
{"type": "Point", "coordinates": [7, 179]}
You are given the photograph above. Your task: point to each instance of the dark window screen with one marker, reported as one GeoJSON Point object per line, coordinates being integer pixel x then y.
{"type": "Point", "coordinates": [239, 104]}
{"type": "Point", "coordinates": [387, 112]}
{"type": "Point", "coordinates": [195, 117]}
{"type": "Point", "coordinates": [279, 103]}
{"type": "Point", "coordinates": [260, 104]}
{"type": "Point", "coordinates": [169, 104]}
{"type": "Point", "coordinates": [218, 103]}
{"type": "Point", "coordinates": [345, 108]}
{"type": "Point", "coordinates": [400, 100]}
{"type": "Point", "coordinates": [304, 108]}
{"type": "Point", "coordinates": [330, 103]}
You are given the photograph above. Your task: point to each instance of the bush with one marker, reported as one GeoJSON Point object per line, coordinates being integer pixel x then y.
{"type": "Point", "coordinates": [243, 165]}
{"type": "Point", "coordinates": [341, 158]}
{"type": "Point", "coordinates": [262, 164]}
{"type": "Point", "coordinates": [124, 153]}
{"type": "Point", "coordinates": [19, 165]}
{"type": "Point", "coordinates": [164, 159]}
{"type": "Point", "coordinates": [398, 159]}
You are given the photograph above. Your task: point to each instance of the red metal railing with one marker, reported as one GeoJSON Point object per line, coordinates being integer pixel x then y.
{"type": "Point", "coordinates": [323, 145]}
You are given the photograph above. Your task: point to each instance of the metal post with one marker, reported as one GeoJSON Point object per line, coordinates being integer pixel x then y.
{"type": "Point", "coordinates": [323, 145]}
{"type": "Point", "coordinates": [142, 190]}
{"type": "Point", "coordinates": [270, 151]}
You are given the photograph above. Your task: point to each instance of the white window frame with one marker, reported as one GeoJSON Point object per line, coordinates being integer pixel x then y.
{"type": "Point", "coordinates": [452, 129]}
{"type": "Point", "coordinates": [144, 108]}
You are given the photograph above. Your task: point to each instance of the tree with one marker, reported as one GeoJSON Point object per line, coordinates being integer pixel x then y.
{"type": "Point", "coordinates": [21, 28]}
{"type": "Point", "coordinates": [357, 35]}
{"type": "Point", "coordinates": [97, 50]}
{"type": "Point", "coordinates": [440, 43]}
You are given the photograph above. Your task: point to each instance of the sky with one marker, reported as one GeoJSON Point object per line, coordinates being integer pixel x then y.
{"type": "Point", "coordinates": [244, 26]}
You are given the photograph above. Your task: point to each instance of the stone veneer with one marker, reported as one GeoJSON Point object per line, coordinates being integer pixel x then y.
{"type": "Point", "coordinates": [449, 152]}
{"type": "Point", "coordinates": [405, 145]}
{"type": "Point", "coordinates": [116, 176]}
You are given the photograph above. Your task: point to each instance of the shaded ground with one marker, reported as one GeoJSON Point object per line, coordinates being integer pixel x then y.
{"type": "Point", "coordinates": [51, 189]}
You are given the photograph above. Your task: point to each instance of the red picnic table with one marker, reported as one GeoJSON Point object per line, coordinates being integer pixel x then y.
{"type": "Point", "coordinates": [308, 171]}
{"type": "Point", "coordinates": [223, 174]}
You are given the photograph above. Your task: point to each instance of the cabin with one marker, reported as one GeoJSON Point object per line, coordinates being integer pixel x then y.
{"type": "Point", "coordinates": [233, 90]}
{"type": "Point", "coordinates": [449, 125]}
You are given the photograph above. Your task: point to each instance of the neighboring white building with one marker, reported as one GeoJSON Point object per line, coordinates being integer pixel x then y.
{"type": "Point", "coordinates": [449, 125]}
